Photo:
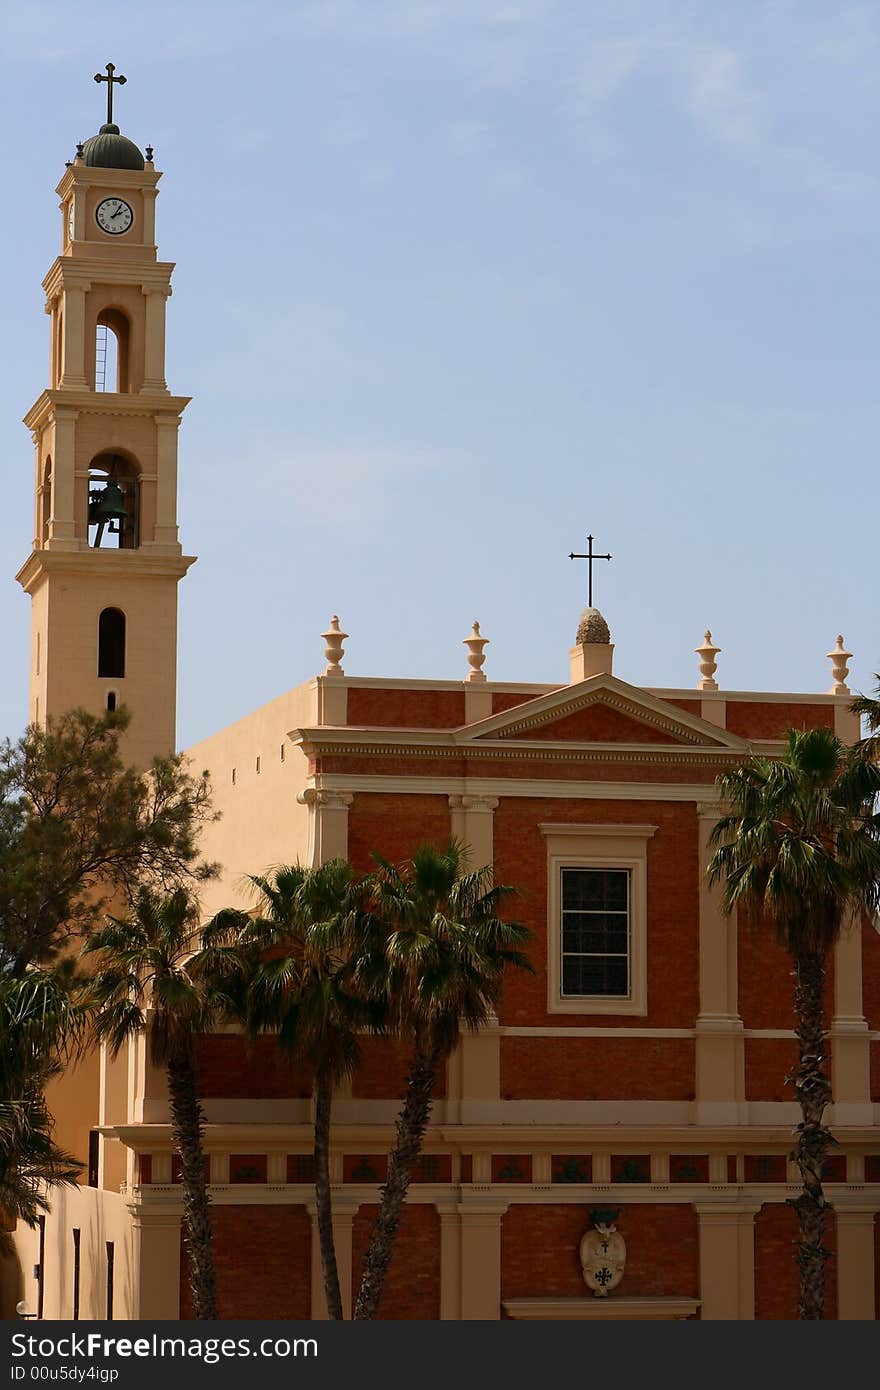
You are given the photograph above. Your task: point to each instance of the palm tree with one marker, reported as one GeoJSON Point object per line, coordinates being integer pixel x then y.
{"type": "Point", "coordinates": [799, 849]}
{"type": "Point", "coordinates": [303, 989]}
{"type": "Point", "coordinates": [436, 954]}
{"type": "Point", "coordinates": [869, 708]}
{"type": "Point", "coordinates": [150, 977]}
{"type": "Point", "coordinates": [39, 1024]}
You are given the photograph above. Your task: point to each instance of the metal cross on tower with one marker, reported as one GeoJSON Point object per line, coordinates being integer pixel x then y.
{"type": "Point", "coordinates": [110, 79]}
{"type": "Point", "coordinates": [590, 556]}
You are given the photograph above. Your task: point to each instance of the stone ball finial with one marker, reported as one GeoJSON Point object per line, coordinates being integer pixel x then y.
{"type": "Point", "coordinates": [476, 656]}
{"type": "Point", "coordinates": [333, 640]}
{"type": "Point", "coordinates": [592, 629]}
{"type": "Point", "coordinates": [708, 665]}
{"type": "Point", "coordinates": [840, 660]}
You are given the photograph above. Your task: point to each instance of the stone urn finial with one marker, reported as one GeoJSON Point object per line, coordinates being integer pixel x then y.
{"type": "Point", "coordinates": [708, 665]}
{"type": "Point", "coordinates": [840, 660]}
{"type": "Point", "coordinates": [333, 640]}
{"type": "Point", "coordinates": [476, 656]}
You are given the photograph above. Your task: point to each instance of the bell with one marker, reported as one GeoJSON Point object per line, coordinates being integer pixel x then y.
{"type": "Point", "coordinates": [107, 505]}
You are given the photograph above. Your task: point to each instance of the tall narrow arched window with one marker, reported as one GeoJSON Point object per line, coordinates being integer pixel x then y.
{"type": "Point", "coordinates": [46, 501]}
{"type": "Point", "coordinates": [111, 643]}
{"type": "Point", "coordinates": [111, 351]}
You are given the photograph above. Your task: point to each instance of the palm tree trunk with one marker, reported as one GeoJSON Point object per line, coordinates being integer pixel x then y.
{"type": "Point", "coordinates": [323, 1199]}
{"type": "Point", "coordinates": [814, 1140]}
{"type": "Point", "coordinates": [411, 1125]}
{"type": "Point", "coordinates": [186, 1133]}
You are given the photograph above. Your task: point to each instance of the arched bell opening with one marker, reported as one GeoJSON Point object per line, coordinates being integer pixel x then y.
{"type": "Point", "coordinates": [112, 334]}
{"type": "Point", "coordinates": [114, 502]}
{"type": "Point", "coordinates": [111, 649]}
{"type": "Point", "coordinates": [45, 505]}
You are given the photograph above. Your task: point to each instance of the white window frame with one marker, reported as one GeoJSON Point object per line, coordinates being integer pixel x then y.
{"type": "Point", "coordinates": [575, 846]}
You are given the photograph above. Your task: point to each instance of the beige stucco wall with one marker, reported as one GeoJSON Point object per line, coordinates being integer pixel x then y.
{"type": "Point", "coordinates": [100, 1217]}
{"type": "Point", "coordinates": [69, 644]}
{"type": "Point", "coordinates": [261, 822]}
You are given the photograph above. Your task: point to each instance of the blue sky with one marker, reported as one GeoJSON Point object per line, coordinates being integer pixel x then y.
{"type": "Point", "coordinates": [461, 280]}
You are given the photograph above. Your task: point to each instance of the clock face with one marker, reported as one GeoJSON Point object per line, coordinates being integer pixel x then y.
{"type": "Point", "coordinates": [114, 216]}
{"type": "Point", "coordinates": [70, 220]}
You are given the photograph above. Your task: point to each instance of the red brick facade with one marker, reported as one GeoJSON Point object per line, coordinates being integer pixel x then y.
{"type": "Point", "coordinates": [590, 1107]}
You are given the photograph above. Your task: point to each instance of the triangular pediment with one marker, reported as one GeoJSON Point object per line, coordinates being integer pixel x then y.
{"type": "Point", "coordinates": [603, 710]}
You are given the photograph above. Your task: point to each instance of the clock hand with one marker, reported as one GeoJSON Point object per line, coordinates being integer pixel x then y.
{"type": "Point", "coordinates": [117, 212]}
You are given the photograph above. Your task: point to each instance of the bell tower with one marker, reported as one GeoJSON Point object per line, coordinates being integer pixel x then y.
{"type": "Point", "coordinates": [106, 560]}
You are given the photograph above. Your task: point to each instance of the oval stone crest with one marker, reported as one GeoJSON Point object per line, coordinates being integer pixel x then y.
{"type": "Point", "coordinates": [603, 1254]}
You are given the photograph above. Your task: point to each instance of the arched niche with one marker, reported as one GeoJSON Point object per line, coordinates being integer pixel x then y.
{"type": "Point", "coordinates": [112, 351]}
{"type": "Point", "coordinates": [114, 485]}
{"type": "Point", "coordinates": [111, 646]}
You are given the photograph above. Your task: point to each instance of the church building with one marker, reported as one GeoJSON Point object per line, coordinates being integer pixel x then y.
{"type": "Point", "coordinates": [631, 1090]}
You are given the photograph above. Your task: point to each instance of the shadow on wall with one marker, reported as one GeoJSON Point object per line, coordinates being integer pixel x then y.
{"type": "Point", "coordinates": [11, 1278]}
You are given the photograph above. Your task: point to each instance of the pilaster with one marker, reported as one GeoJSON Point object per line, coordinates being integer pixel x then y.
{"type": "Point", "coordinates": [472, 823]}
{"type": "Point", "coordinates": [720, 1051]}
{"type": "Point", "coordinates": [157, 1262]}
{"type": "Point", "coordinates": [154, 339]}
{"type": "Point", "coordinates": [62, 527]}
{"type": "Point", "coordinates": [855, 1264]}
{"type": "Point", "coordinates": [167, 427]}
{"type": "Point", "coordinates": [328, 823]}
{"type": "Point", "coordinates": [73, 342]}
{"type": "Point", "coordinates": [727, 1261]}
{"type": "Point", "coordinates": [474, 1069]}
{"type": "Point", "coordinates": [850, 1045]}
{"type": "Point", "coordinates": [481, 1260]}
{"type": "Point", "coordinates": [343, 1222]}
{"type": "Point", "coordinates": [450, 1261]}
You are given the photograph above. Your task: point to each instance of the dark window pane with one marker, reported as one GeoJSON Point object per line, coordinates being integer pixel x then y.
{"type": "Point", "coordinates": [597, 975]}
{"type": "Point", "coordinates": [595, 889]}
{"type": "Point", "coordinates": [594, 932]}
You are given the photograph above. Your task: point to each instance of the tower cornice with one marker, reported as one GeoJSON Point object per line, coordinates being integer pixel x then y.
{"type": "Point", "coordinates": [88, 176]}
{"type": "Point", "coordinates": [149, 404]}
{"type": "Point", "coordinates": [163, 564]}
{"type": "Point", "coordinates": [67, 273]}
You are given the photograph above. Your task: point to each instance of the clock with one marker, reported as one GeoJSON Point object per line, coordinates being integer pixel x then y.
{"type": "Point", "coordinates": [70, 220]}
{"type": "Point", "coordinates": [113, 215]}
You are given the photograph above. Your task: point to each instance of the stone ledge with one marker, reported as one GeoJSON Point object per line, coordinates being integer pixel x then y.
{"type": "Point", "coordinates": [614, 1309]}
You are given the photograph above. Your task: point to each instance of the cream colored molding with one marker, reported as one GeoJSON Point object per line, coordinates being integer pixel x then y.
{"type": "Point", "coordinates": [532, 691]}
{"type": "Point", "coordinates": [437, 745]}
{"type": "Point", "coordinates": [616, 1308]}
{"type": "Point", "coordinates": [104, 562]}
{"type": "Point", "coordinates": [325, 799]}
{"type": "Point", "coordinates": [517, 787]}
{"type": "Point", "coordinates": [574, 846]}
{"type": "Point", "coordinates": [563, 830]}
{"type": "Point", "coordinates": [758, 697]}
{"type": "Point", "coordinates": [558, 1137]}
{"type": "Point", "coordinates": [85, 176]}
{"type": "Point", "coordinates": [79, 273]}
{"type": "Point", "coordinates": [473, 804]}
{"type": "Point", "coordinates": [511, 1031]}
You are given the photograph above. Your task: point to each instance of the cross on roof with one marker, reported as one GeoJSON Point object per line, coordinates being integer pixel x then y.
{"type": "Point", "coordinates": [590, 556]}
{"type": "Point", "coordinates": [110, 79]}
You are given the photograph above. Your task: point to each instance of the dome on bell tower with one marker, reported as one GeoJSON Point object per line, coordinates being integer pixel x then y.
{"type": "Point", "coordinates": [111, 150]}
